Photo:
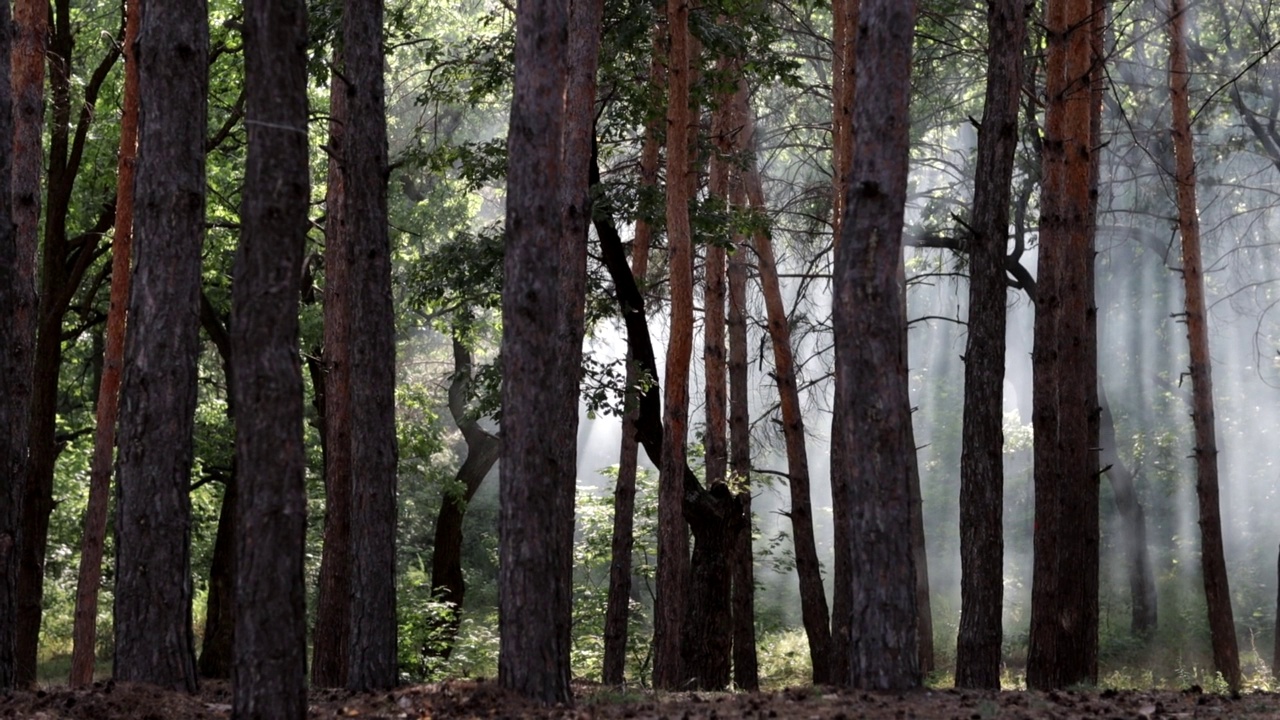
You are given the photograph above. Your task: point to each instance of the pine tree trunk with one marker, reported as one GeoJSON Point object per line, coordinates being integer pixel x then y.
{"type": "Point", "coordinates": [154, 641]}
{"type": "Point", "coordinates": [89, 582]}
{"type": "Point", "coordinates": [372, 660]}
{"type": "Point", "coordinates": [1142, 587]}
{"type": "Point", "coordinates": [813, 599]}
{"type": "Point", "coordinates": [871, 442]}
{"type": "Point", "coordinates": [270, 668]}
{"type": "Point", "coordinates": [982, 460]}
{"type": "Point", "coordinates": [673, 537]}
{"type": "Point", "coordinates": [332, 632]}
{"type": "Point", "coordinates": [1222, 631]}
{"type": "Point", "coordinates": [618, 604]}
{"type": "Point", "coordinates": [535, 595]}
{"type": "Point", "coordinates": [17, 336]}
{"type": "Point", "coordinates": [217, 647]}
{"type": "Point", "coordinates": [1064, 631]}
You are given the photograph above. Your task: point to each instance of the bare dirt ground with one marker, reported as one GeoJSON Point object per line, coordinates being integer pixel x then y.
{"type": "Point", "coordinates": [118, 701]}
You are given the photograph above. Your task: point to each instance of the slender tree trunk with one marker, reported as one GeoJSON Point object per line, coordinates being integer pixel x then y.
{"type": "Point", "coordinates": [982, 461]}
{"type": "Point", "coordinates": [1222, 630]}
{"type": "Point", "coordinates": [372, 659]}
{"type": "Point", "coordinates": [1064, 632]}
{"type": "Point", "coordinates": [31, 29]}
{"type": "Point", "coordinates": [270, 669]}
{"type": "Point", "coordinates": [104, 441]}
{"type": "Point", "coordinates": [535, 594]}
{"type": "Point", "coordinates": [919, 549]}
{"type": "Point", "coordinates": [746, 672]}
{"type": "Point", "coordinates": [447, 582]}
{"type": "Point", "coordinates": [844, 80]}
{"type": "Point", "coordinates": [154, 641]}
{"type": "Point", "coordinates": [871, 442]}
{"type": "Point", "coordinates": [17, 336]}
{"type": "Point", "coordinates": [617, 611]}
{"type": "Point", "coordinates": [1142, 587]}
{"type": "Point", "coordinates": [673, 537]}
{"type": "Point", "coordinates": [332, 631]}
{"type": "Point", "coordinates": [813, 599]}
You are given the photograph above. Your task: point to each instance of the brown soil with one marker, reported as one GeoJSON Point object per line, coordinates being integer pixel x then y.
{"type": "Point", "coordinates": [117, 701]}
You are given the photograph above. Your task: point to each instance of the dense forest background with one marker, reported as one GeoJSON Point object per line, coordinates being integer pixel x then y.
{"type": "Point", "coordinates": [448, 76]}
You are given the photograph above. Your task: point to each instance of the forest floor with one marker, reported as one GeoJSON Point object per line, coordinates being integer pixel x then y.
{"type": "Point", "coordinates": [466, 699]}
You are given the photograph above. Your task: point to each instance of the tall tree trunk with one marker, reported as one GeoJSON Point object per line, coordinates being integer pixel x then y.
{"type": "Point", "coordinates": [813, 599]}
{"type": "Point", "coordinates": [31, 29]}
{"type": "Point", "coordinates": [17, 336]}
{"type": "Point", "coordinates": [84, 650]}
{"type": "Point", "coordinates": [1222, 630]}
{"type": "Point", "coordinates": [673, 536]}
{"type": "Point", "coordinates": [372, 660]}
{"type": "Point", "coordinates": [982, 461]}
{"type": "Point", "coordinates": [871, 442]}
{"type": "Point", "coordinates": [154, 642]}
{"type": "Point", "coordinates": [746, 670]}
{"type": "Point", "coordinates": [535, 594]}
{"type": "Point", "coordinates": [618, 604]}
{"type": "Point", "coordinates": [844, 15]}
{"type": "Point", "coordinates": [447, 582]}
{"type": "Point", "coordinates": [1064, 632]}
{"type": "Point", "coordinates": [332, 631]}
{"type": "Point", "coordinates": [1142, 585]}
{"type": "Point", "coordinates": [270, 669]}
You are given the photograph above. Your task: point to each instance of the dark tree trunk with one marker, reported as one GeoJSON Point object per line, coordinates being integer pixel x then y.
{"type": "Point", "coordinates": [89, 582]}
{"type": "Point", "coordinates": [1142, 582]}
{"type": "Point", "coordinates": [17, 336]}
{"type": "Point", "coordinates": [871, 442]}
{"type": "Point", "coordinates": [617, 611]}
{"type": "Point", "coordinates": [219, 621]}
{"type": "Point", "coordinates": [982, 461]}
{"type": "Point", "coordinates": [707, 642]}
{"type": "Point", "coordinates": [536, 594]}
{"type": "Point", "coordinates": [332, 632]}
{"type": "Point", "coordinates": [154, 642]}
{"type": "Point", "coordinates": [746, 671]}
{"type": "Point", "coordinates": [270, 669]}
{"type": "Point", "coordinates": [1064, 631]}
{"type": "Point", "coordinates": [1222, 630]}
{"type": "Point", "coordinates": [372, 660]}
{"type": "Point", "coordinates": [483, 448]}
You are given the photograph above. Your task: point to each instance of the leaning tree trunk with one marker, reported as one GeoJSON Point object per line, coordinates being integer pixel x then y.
{"type": "Point", "coordinates": [1217, 592]}
{"type": "Point", "coordinates": [871, 441]}
{"type": "Point", "coordinates": [982, 461]}
{"type": "Point", "coordinates": [84, 650]}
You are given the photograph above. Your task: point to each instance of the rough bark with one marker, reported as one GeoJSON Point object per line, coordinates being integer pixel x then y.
{"type": "Point", "coordinates": [483, 447]}
{"type": "Point", "coordinates": [813, 599]}
{"type": "Point", "coordinates": [746, 670]}
{"type": "Point", "coordinates": [104, 440]}
{"type": "Point", "coordinates": [673, 536]}
{"type": "Point", "coordinates": [372, 660]}
{"type": "Point", "coordinates": [154, 642]}
{"type": "Point", "coordinates": [535, 595]}
{"type": "Point", "coordinates": [1142, 582]}
{"type": "Point", "coordinates": [618, 604]}
{"type": "Point", "coordinates": [270, 669]}
{"type": "Point", "coordinates": [1064, 632]}
{"type": "Point", "coordinates": [332, 631]}
{"type": "Point", "coordinates": [1222, 631]}
{"type": "Point", "coordinates": [982, 460]}
{"type": "Point", "coordinates": [871, 443]}
{"type": "Point", "coordinates": [707, 637]}
{"type": "Point", "coordinates": [17, 336]}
